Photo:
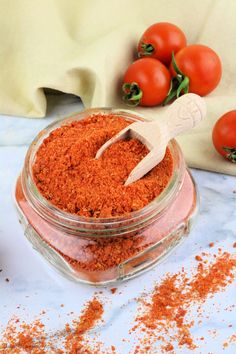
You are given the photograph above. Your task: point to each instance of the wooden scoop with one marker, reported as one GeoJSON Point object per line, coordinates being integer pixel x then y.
{"type": "Point", "coordinates": [183, 114]}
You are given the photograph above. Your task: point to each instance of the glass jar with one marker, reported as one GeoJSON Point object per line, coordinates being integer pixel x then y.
{"type": "Point", "coordinates": [101, 251]}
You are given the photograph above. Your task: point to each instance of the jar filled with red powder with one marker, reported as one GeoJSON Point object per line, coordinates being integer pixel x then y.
{"type": "Point", "coordinates": [77, 212]}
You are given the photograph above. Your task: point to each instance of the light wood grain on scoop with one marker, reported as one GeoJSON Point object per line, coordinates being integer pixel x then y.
{"type": "Point", "coordinates": [182, 115]}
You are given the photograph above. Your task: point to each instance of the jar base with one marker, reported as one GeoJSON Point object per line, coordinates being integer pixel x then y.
{"type": "Point", "coordinates": [130, 268]}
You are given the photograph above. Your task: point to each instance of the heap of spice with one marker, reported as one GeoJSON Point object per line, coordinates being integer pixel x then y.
{"type": "Point", "coordinates": [68, 175]}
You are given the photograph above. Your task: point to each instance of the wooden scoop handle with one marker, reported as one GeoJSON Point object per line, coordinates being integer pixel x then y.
{"type": "Point", "coordinates": [186, 112]}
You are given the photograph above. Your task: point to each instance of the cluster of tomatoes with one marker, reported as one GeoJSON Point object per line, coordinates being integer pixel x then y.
{"type": "Point", "coordinates": [167, 68]}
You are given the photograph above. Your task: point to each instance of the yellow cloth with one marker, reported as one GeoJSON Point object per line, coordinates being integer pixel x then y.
{"type": "Point", "coordinates": [84, 46]}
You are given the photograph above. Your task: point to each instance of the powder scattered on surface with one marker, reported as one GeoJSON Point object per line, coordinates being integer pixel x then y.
{"type": "Point", "coordinates": [212, 244]}
{"type": "Point", "coordinates": [68, 175]}
{"type": "Point", "coordinates": [164, 317]}
{"type": "Point", "coordinates": [163, 320]}
{"type": "Point", "coordinates": [198, 258]}
{"type": "Point", "coordinates": [20, 337]}
{"type": "Point", "coordinates": [113, 290]}
{"type": "Point", "coordinates": [75, 341]}
{"type": "Point", "coordinates": [168, 348]}
{"type": "Point", "coordinates": [234, 245]}
{"type": "Point", "coordinates": [113, 349]}
{"type": "Point", "coordinates": [213, 278]}
{"type": "Point", "coordinates": [231, 340]}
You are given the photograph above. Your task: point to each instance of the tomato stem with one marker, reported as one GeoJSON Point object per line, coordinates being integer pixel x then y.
{"type": "Point", "coordinates": [175, 66]}
{"type": "Point", "coordinates": [179, 83]}
{"type": "Point", "coordinates": [184, 86]}
{"type": "Point", "coordinates": [231, 154]}
{"type": "Point", "coordinates": [132, 93]}
{"type": "Point", "coordinates": [171, 94]}
{"type": "Point", "coordinates": [147, 49]}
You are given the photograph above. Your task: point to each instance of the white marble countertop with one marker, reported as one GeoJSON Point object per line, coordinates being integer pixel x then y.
{"type": "Point", "coordinates": [34, 286]}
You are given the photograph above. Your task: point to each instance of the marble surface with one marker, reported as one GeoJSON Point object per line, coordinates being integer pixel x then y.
{"type": "Point", "coordinates": [34, 286]}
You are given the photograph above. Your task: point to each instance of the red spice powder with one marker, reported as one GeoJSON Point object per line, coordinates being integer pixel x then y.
{"type": "Point", "coordinates": [234, 245]}
{"type": "Point", "coordinates": [107, 253]}
{"type": "Point", "coordinates": [198, 258]}
{"type": "Point", "coordinates": [68, 175]}
{"type": "Point", "coordinates": [32, 338]}
{"type": "Point", "coordinates": [211, 244]}
{"type": "Point", "coordinates": [163, 319]}
{"type": "Point", "coordinates": [113, 349]}
{"type": "Point", "coordinates": [168, 348]}
{"type": "Point", "coordinates": [113, 290]}
{"type": "Point", "coordinates": [74, 341]}
{"type": "Point", "coordinates": [231, 340]}
{"type": "Point", "coordinates": [212, 279]}
{"type": "Point", "coordinates": [21, 337]}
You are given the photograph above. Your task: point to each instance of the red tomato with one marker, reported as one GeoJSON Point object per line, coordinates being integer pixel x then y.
{"type": "Point", "coordinates": [160, 40]}
{"type": "Point", "coordinates": [224, 135]}
{"type": "Point", "coordinates": [146, 82]}
{"type": "Point", "coordinates": [201, 65]}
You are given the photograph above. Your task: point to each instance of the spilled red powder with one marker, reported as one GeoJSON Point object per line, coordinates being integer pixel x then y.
{"type": "Point", "coordinates": [74, 341]}
{"type": "Point", "coordinates": [198, 258]}
{"type": "Point", "coordinates": [211, 244]}
{"type": "Point", "coordinates": [234, 245]}
{"type": "Point", "coordinates": [164, 318]}
{"type": "Point", "coordinates": [20, 337]}
{"type": "Point", "coordinates": [68, 175]}
{"type": "Point", "coordinates": [231, 340]}
{"type": "Point", "coordinates": [168, 348]}
{"type": "Point", "coordinates": [212, 279]}
{"type": "Point", "coordinates": [113, 349]}
{"type": "Point", "coordinates": [113, 290]}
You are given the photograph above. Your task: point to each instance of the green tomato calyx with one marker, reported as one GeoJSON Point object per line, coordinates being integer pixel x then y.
{"type": "Point", "coordinates": [132, 94]}
{"type": "Point", "coordinates": [147, 49]}
{"type": "Point", "coordinates": [231, 153]}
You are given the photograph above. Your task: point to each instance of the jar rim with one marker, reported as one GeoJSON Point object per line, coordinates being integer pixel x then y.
{"type": "Point", "coordinates": [73, 222]}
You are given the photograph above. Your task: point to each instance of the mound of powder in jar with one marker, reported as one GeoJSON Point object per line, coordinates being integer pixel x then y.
{"type": "Point", "coordinates": [68, 175]}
